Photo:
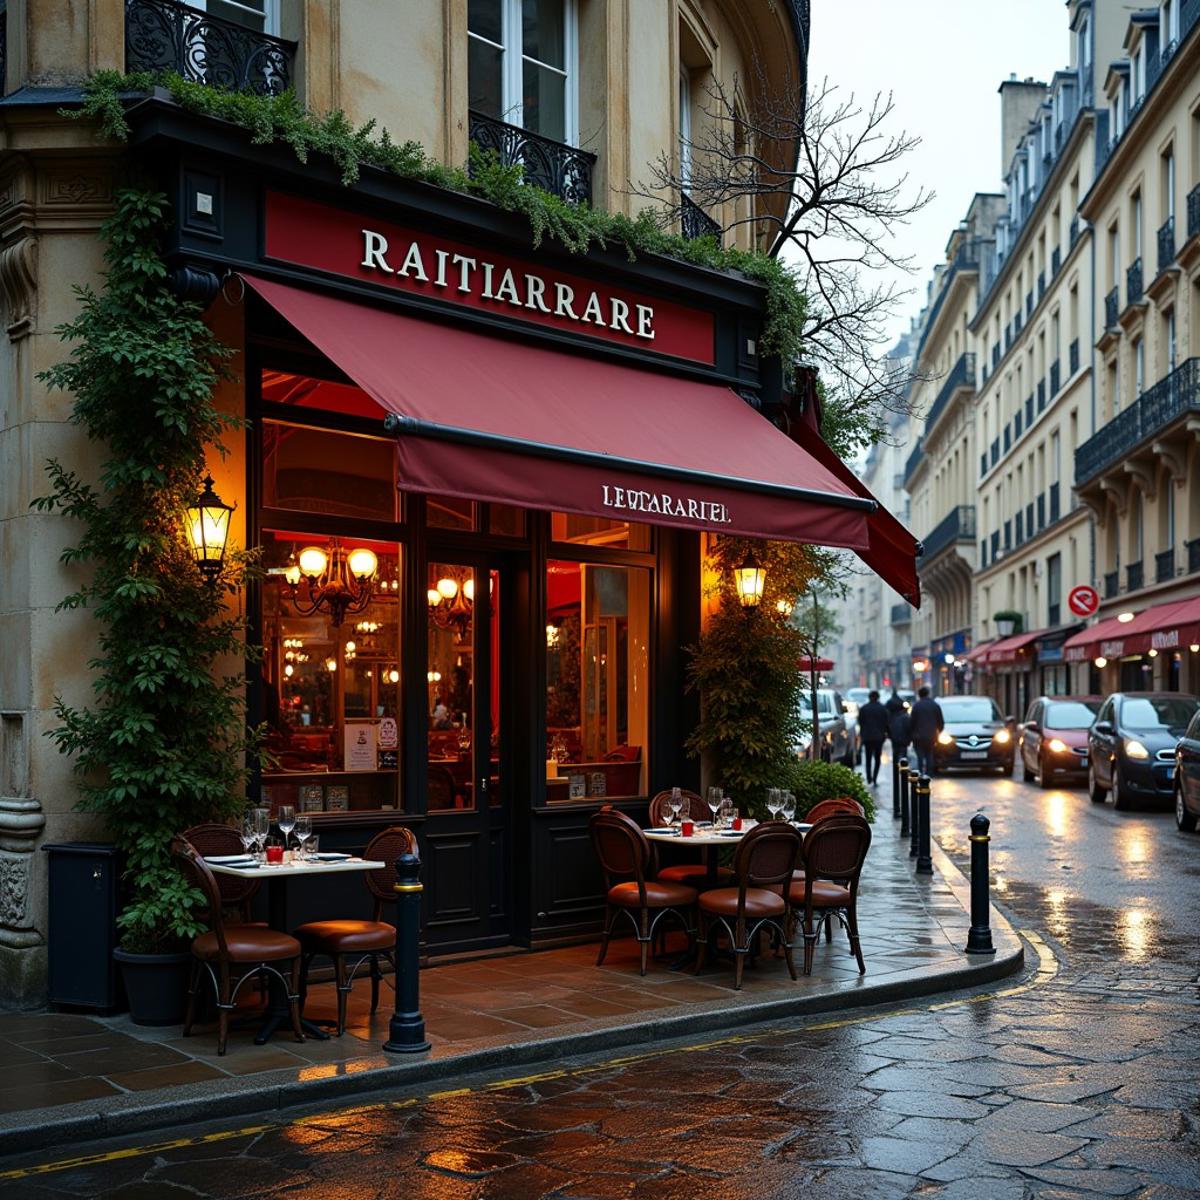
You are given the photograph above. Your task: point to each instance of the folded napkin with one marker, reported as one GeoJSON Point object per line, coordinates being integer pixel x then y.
{"type": "Point", "coordinates": [231, 860]}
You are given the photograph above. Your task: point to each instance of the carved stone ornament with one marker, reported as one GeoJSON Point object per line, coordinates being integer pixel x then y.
{"type": "Point", "coordinates": [14, 890]}
{"type": "Point", "coordinates": [18, 284]}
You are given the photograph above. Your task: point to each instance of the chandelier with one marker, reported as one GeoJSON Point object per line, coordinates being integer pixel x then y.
{"type": "Point", "coordinates": [339, 582]}
{"type": "Point", "coordinates": [452, 601]}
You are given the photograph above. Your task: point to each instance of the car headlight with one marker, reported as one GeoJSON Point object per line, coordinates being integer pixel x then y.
{"type": "Point", "coordinates": [1057, 746]}
{"type": "Point", "coordinates": [1135, 749]}
{"type": "Point", "coordinates": [1002, 737]}
{"type": "Point", "coordinates": [944, 739]}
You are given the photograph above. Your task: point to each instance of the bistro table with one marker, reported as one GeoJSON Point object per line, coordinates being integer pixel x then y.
{"type": "Point", "coordinates": [710, 840]}
{"type": "Point", "coordinates": [278, 876]}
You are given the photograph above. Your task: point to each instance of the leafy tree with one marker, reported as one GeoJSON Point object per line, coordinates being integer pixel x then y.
{"type": "Point", "coordinates": [162, 746]}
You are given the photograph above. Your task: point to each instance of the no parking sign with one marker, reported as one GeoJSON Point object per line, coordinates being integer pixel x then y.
{"type": "Point", "coordinates": [1083, 600]}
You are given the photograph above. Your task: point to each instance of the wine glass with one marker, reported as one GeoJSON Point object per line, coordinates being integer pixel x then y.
{"type": "Point", "coordinates": [726, 812]}
{"type": "Point", "coordinates": [789, 806]}
{"type": "Point", "coordinates": [714, 802]}
{"type": "Point", "coordinates": [262, 827]}
{"type": "Point", "coordinates": [286, 822]}
{"type": "Point", "coordinates": [303, 833]}
{"type": "Point", "coordinates": [774, 801]}
{"type": "Point", "coordinates": [247, 833]}
{"type": "Point", "coordinates": [675, 804]}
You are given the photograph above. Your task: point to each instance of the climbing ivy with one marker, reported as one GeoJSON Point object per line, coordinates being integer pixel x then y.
{"type": "Point", "coordinates": [579, 228]}
{"type": "Point", "coordinates": [162, 745]}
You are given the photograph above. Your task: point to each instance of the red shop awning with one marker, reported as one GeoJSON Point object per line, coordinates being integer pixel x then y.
{"type": "Point", "coordinates": [1163, 627]}
{"type": "Point", "coordinates": [1106, 638]}
{"type": "Point", "coordinates": [978, 653]}
{"type": "Point", "coordinates": [493, 418]}
{"type": "Point", "coordinates": [1012, 649]}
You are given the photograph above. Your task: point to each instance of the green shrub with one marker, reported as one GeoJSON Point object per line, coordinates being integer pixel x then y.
{"type": "Point", "coordinates": [816, 781]}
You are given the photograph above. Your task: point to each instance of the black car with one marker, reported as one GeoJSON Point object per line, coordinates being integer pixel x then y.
{"type": "Point", "coordinates": [975, 736]}
{"type": "Point", "coordinates": [1131, 747]}
{"type": "Point", "coordinates": [1187, 777]}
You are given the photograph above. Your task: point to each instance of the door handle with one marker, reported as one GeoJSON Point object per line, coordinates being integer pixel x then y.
{"type": "Point", "coordinates": [483, 784]}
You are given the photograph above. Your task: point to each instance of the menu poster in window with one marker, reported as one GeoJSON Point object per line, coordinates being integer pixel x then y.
{"type": "Point", "coordinates": [578, 786]}
{"type": "Point", "coordinates": [311, 797]}
{"type": "Point", "coordinates": [599, 783]}
{"type": "Point", "coordinates": [337, 798]}
{"type": "Point", "coordinates": [359, 744]}
{"type": "Point", "coordinates": [389, 734]}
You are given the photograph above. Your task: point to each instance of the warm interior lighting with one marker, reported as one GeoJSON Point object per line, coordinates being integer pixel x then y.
{"type": "Point", "coordinates": [469, 588]}
{"type": "Point", "coordinates": [1153, 653]}
{"type": "Point", "coordinates": [784, 607]}
{"type": "Point", "coordinates": [1125, 617]}
{"type": "Point", "coordinates": [363, 563]}
{"type": "Point", "coordinates": [1195, 647]}
{"type": "Point", "coordinates": [331, 664]}
{"type": "Point", "coordinates": [433, 596]}
{"type": "Point", "coordinates": [1101, 661]}
{"type": "Point", "coordinates": [207, 528]}
{"type": "Point", "coordinates": [291, 573]}
{"type": "Point", "coordinates": [447, 588]}
{"type": "Point", "coordinates": [393, 676]}
{"type": "Point", "coordinates": [552, 636]}
{"type": "Point", "coordinates": [335, 581]}
{"type": "Point", "coordinates": [313, 561]}
{"type": "Point", "coordinates": [950, 660]}
{"type": "Point", "coordinates": [289, 670]}
{"type": "Point", "coordinates": [750, 579]}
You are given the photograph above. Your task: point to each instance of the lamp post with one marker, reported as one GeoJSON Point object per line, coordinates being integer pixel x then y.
{"type": "Point", "coordinates": [208, 531]}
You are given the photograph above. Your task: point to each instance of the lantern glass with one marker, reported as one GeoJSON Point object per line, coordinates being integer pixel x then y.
{"type": "Point", "coordinates": [363, 563]}
{"type": "Point", "coordinates": [434, 597]}
{"type": "Point", "coordinates": [750, 579]}
{"type": "Point", "coordinates": [313, 561]}
{"type": "Point", "coordinates": [447, 587]}
{"type": "Point", "coordinates": [207, 528]}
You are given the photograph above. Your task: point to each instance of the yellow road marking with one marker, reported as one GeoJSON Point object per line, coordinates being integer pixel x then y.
{"type": "Point", "coordinates": [1046, 970]}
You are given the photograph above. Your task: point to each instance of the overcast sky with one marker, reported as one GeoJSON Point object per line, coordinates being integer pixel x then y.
{"type": "Point", "coordinates": [943, 61]}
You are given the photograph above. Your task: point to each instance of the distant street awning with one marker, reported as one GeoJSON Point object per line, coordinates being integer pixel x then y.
{"type": "Point", "coordinates": [978, 654]}
{"type": "Point", "coordinates": [1017, 648]}
{"type": "Point", "coordinates": [1171, 626]}
{"type": "Point", "coordinates": [808, 663]}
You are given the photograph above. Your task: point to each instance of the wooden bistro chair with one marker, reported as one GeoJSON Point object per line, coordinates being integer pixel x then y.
{"type": "Point", "coordinates": [232, 954]}
{"type": "Point", "coordinates": [351, 943]}
{"type": "Point", "coordinates": [834, 851]}
{"type": "Point", "coordinates": [690, 874]}
{"type": "Point", "coordinates": [213, 838]}
{"type": "Point", "coordinates": [626, 857]}
{"type": "Point", "coordinates": [763, 865]}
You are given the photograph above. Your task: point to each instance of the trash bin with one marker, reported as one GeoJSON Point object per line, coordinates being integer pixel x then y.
{"type": "Point", "coordinates": [82, 934]}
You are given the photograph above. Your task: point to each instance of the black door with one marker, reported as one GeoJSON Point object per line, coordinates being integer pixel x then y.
{"type": "Point", "coordinates": [467, 835]}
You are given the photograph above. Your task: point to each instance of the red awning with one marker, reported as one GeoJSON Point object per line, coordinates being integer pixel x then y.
{"type": "Point", "coordinates": [1012, 649]}
{"type": "Point", "coordinates": [808, 663]}
{"type": "Point", "coordinates": [978, 653]}
{"type": "Point", "coordinates": [495, 419]}
{"type": "Point", "coordinates": [892, 554]}
{"type": "Point", "coordinates": [1105, 638]}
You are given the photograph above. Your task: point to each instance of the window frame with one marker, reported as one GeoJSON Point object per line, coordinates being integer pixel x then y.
{"type": "Point", "coordinates": [513, 59]}
{"type": "Point", "coordinates": [270, 13]}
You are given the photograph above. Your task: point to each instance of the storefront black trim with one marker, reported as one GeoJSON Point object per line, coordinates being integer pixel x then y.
{"type": "Point", "coordinates": [402, 426]}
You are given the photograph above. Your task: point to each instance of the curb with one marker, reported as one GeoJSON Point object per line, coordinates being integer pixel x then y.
{"type": "Point", "coordinates": [40, 1129]}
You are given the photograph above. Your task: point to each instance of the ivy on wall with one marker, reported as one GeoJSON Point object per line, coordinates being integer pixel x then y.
{"type": "Point", "coordinates": [579, 228]}
{"type": "Point", "coordinates": [163, 745]}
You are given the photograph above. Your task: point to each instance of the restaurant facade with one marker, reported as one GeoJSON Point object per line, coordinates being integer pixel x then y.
{"type": "Point", "coordinates": [483, 474]}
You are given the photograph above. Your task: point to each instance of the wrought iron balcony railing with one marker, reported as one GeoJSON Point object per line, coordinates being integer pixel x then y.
{"type": "Point", "coordinates": [1166, 244]}
{"type": "Point", "coordinates": [1112, 306]}
{"type": "Point", "coordinates": [162, 35]}
{"type": "Point", "coordinates": [1133, 281]}
{"type": "Point", "coordinates": [1164, 566]}
{"type": "Point", "coordinates": [694, 222]}
{"type": "Point", "coordinates": [962, 375]}
{"type": "Point", "coordinates": [555, 167]}
{"type": "Point", "coordinates": [1112, 584]}
{"type": "Point", "coordinates": [1153, 411]}
{"type": "Point", "coordinates": [1193, 211]}
{"type": "Point", "coordinates": [958, 525]}
{"type": "Point", "coordinates": [1134, 576]}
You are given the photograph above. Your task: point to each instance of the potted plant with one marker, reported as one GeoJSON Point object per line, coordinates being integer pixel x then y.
{"type": "Point", "coordinates": [813, 782]}
{"type": "Point", "coordinates": [163, 743]}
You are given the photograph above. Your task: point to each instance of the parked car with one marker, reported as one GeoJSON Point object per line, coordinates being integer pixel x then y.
{"type": "Point", "coordinates": [1131, 746]}
{"type": "Point", "coordinates": [1053, 739]}
{"type": "Point", "coordinates": [1187, 777]}
{"type": "Point", "coordinates": [975, 736]}
{"type": "Point", "coordinates": [835, 745]}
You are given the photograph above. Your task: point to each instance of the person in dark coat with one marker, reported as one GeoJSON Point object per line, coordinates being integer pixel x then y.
{"type": "Point", "coordinates": [927, 723]}
{"type": "Point", "coordinates": [873, 728]}
{"type": "Point", "coordinates": [899, 726]}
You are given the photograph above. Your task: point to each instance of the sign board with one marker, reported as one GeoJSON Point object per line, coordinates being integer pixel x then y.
{"type": "Point", "coordinates": [1083, 600]}
{"type": "Point", "coordinates": [383, 253]}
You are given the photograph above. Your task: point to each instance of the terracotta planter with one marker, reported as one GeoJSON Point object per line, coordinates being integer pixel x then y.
{"type": "Point", "coordinates": [156, 985]}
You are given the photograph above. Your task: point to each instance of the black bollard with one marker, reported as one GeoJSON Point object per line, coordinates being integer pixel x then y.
{"type": "Point", "coordinates": [979, 939]}
{"type": "Point", "coordinates": [904, 808]}
{"type": "Point", "coordinates": [924, 850]}
{"type": "Point", "coordinates": [914, 808]}
{"type": "Point", "coordinates": [406, 1034]}
{"type": "Point", "coordinates": [895, 785]}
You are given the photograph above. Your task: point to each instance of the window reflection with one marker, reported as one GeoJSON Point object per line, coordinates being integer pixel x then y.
{"type": "Point", "coordinates": [331, 691]}
{"type": "Point", "coordinates": [597, 702]}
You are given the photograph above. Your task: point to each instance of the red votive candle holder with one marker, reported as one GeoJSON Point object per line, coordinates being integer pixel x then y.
{"type": "Point", "coordinates": [274, 854]}
{"type": "Point", "coordinates": [737, 822]}
{"type": "Point", "coordinates": [687, 828]}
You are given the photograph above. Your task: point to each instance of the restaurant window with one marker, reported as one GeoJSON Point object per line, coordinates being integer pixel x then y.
{"type": "Point", "coordinates": [521, 64]}
{"type": "Point", "coordinates": [597, 680]}
{"type": "Point", "coordinates": [340, 474]}
{"type": "Point", "coordinates": [599, 531]}
{"type": "Point", "coordinates": [331, 672]}
{"type": "Point", "coordinates": [451, 512]}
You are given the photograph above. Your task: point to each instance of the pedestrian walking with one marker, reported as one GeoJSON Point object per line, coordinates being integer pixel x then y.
{"type": "Point", "coordinates": [873, 728]}
{"type": "Point", "coordinates": [927, 723]}
{"type": "Point", "coordinates": [899, 726]}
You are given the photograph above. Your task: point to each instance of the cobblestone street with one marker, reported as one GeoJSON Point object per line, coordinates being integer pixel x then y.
{"type": "Point", "coordinates": [1077, 1080]}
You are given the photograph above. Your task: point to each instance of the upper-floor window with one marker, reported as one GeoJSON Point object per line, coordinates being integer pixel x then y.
{"type": "Point", "coordinates": [1168, 23]}
{"type": "Point", "coordinates": [521, 64]}
{"type": "Point", "coordinates": [1085, 42]}
{"type": "Point", "coordinates": [260, 15]}
{"type": "Point", "coordinates": [685, 126]}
